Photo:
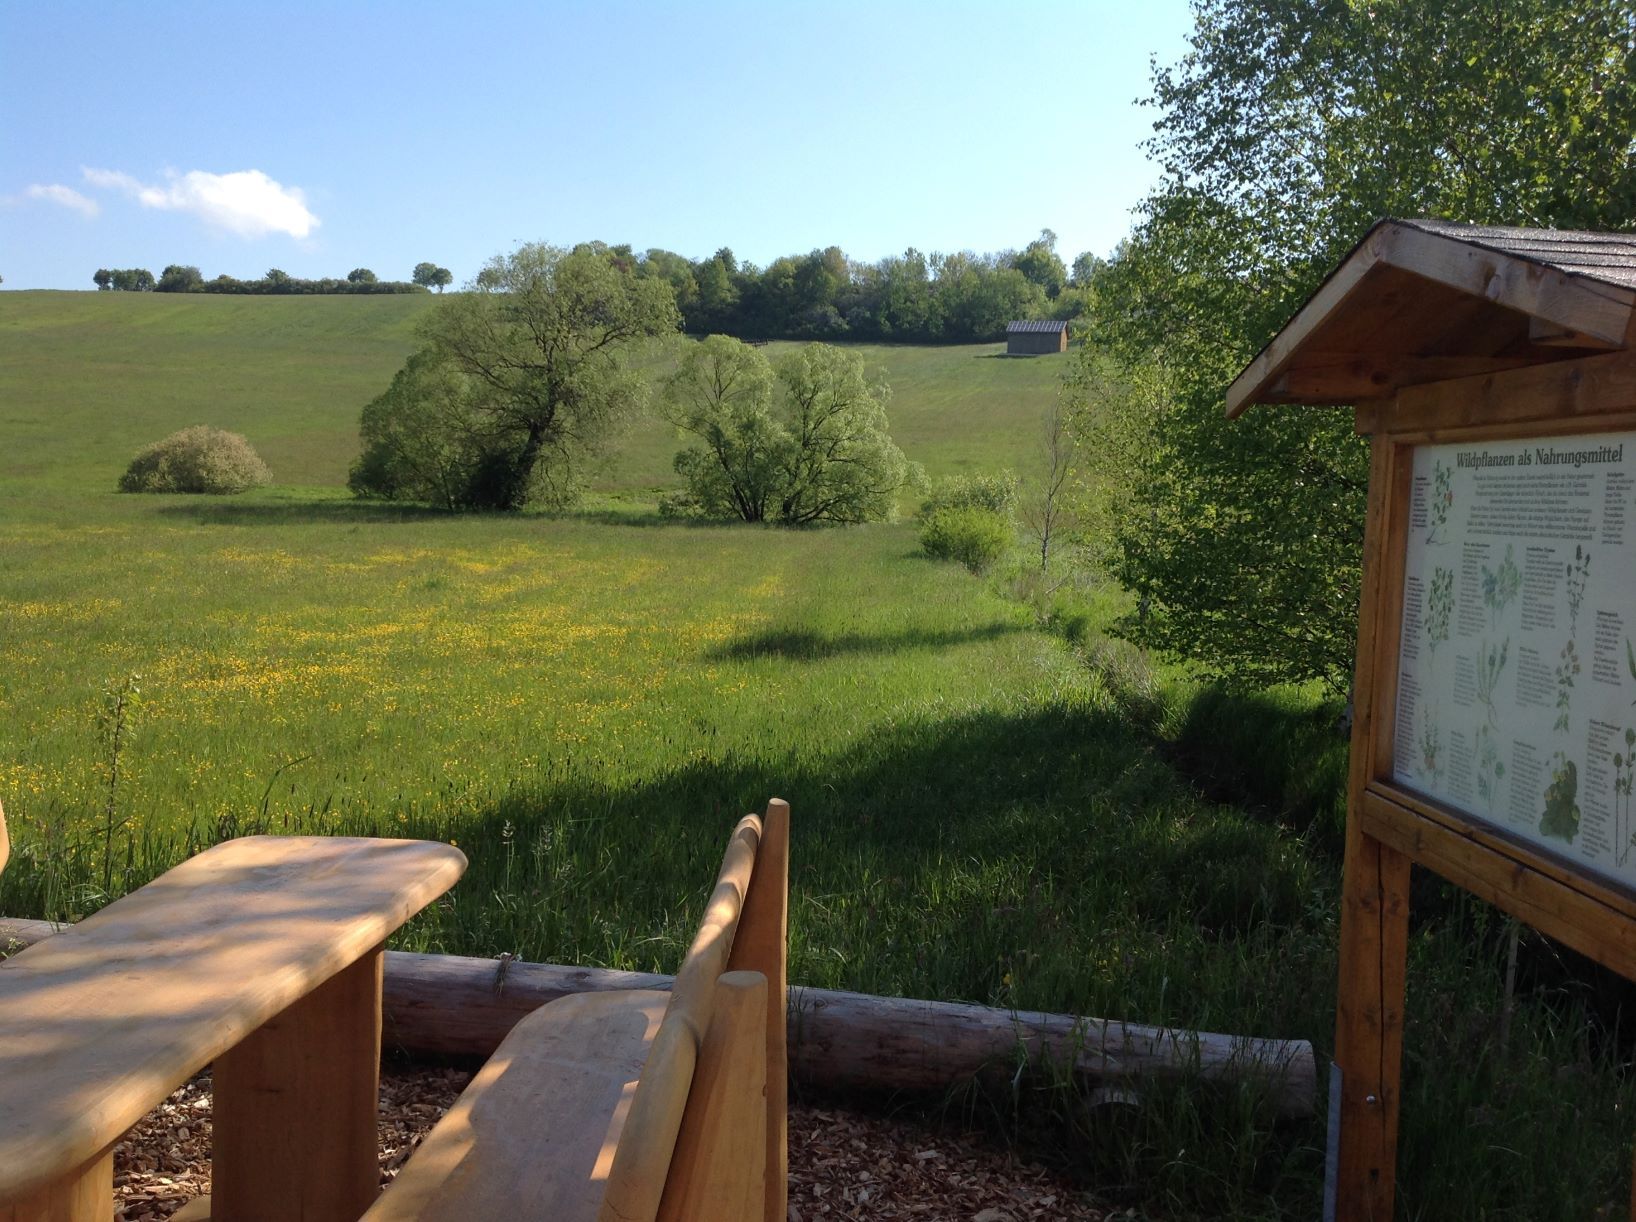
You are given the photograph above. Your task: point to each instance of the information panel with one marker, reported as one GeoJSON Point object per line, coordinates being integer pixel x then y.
{"type": "Point", "coordinates": [1516, 698]}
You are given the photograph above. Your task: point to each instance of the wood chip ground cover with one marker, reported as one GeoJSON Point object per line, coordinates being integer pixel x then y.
{"type": "Point", "coordinates": [842, 1165]}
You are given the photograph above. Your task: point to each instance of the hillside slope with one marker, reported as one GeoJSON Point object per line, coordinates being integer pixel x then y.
{"type": "Point", "coordinates": [86, 379]}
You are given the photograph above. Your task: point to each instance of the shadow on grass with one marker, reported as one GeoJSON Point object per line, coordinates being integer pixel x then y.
{"type": "Point", "coordinates": [804, 645]}
{"type": "Point", "coordinates": [289, 513]}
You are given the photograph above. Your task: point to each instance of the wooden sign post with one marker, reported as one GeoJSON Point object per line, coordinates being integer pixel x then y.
{"type": "Point", "coordinates": [1495, 698]}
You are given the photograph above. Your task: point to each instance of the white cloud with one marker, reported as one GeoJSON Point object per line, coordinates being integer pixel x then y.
{"type": "Point", "coordinates": [245, 202]}
{"type": "Point", "coordinates": [67, 197]}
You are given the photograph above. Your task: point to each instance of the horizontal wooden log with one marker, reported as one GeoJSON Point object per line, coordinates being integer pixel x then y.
{"type": "Point", "coordinates": [449, 1005]}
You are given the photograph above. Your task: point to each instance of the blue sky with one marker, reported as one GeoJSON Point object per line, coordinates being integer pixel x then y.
{"type": "Point", "coordinates": [321, 137]}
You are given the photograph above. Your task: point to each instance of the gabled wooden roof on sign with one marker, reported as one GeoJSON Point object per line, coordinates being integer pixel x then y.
{"type": "Point", "coordinates": [1426, 301]}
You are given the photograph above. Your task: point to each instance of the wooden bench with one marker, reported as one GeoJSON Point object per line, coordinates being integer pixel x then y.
{"type": "Point", "coordinates": [636, 1106]}
{"type": "Point", "coordinates": [262, 956]}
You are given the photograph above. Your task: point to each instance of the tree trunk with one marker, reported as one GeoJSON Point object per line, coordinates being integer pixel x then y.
{"type": "Point", "coordinates": [447, 1005]}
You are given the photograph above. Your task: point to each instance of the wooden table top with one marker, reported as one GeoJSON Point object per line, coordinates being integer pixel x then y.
{"type": "Point", "coordinates": [99, 1024]}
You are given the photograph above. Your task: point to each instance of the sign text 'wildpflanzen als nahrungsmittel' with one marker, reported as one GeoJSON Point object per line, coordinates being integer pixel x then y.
{"type": "Point", "coordinates": [1516, 693]}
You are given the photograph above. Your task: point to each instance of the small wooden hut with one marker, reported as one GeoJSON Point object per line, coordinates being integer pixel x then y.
{"type": "Point", "coordinates": [1494, 371]}
{"type": "Point", "coordinates": [1035, 338]}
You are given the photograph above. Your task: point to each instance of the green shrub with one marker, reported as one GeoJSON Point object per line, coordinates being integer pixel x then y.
{"type": "Point", "coordinates": [975, 537]}
{"type": "Point", "coordinates": [996, 494]}
{"type": "Point", "coordinates": [198, 459]}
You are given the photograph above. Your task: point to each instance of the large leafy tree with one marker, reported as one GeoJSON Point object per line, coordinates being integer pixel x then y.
{"type": "Point", "coordinates": [525, 375]}
{"type": "Point", "coordinates": [1284, 132]}
{"type": "Point", "coordinates": [805, 442]}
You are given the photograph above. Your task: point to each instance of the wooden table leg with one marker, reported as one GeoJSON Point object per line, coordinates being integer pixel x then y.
{"type": "Point", "coordinates": [295, 1108]}
{"type": "Point", "coordinates": [85, 1197]}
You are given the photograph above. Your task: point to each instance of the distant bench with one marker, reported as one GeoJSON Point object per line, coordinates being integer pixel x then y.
{"type": "Point", "coordinates": [639, 1105]}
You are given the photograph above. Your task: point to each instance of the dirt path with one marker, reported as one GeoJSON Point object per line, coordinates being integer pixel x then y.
{"type": "Point", "coordinates": [842, 1165]}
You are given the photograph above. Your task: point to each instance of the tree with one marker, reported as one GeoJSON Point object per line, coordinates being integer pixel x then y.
{"type": "Point", "coordinates": [104, 279]}
{"type": "Point", "coordinates": [430, 275]}
{"type": "Point", "coordinates": [722, 393]}
{"type": "Point", "coordinates": [803, 442]}
{"type": "Point", "coordinates": [424, 438]}
{"type": "Point", "coordinates": [131, 280]}
{"type": "Point", "coordinates": [1286, 129]}
{"type": "Point", "coordinates": [362, 275]}
{"type": "Point", "coordinates": [539, 346]}
{"type": "Point", "coordinates": [843, 465]}
{"type": "Point", "coordinates": [277, 277]}
{"type": "Point", "coordinates": [1045, 505]}
{"type": "Point", "coordinates": [1040, 264]}
{"type": "Point", "coordinates": [179, 278]}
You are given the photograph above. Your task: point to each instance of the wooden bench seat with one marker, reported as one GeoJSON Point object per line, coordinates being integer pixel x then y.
{"type": "Point", "coordinates": [638, 1106]}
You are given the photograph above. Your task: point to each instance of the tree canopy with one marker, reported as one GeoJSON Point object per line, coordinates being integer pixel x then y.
{"type": "Point", "coordinates": [430, 276]}
{"type": "Point", "coordinates": [1284, 132]}
{"type": "Point", "coordinates": [804, 441]}
{"type": "Point", "coordinates": [521, 378]}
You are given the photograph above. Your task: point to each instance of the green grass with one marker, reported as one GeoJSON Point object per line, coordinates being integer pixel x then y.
{"type": "Point", "coordinates": [116, 371]}
{"type": "Point", "coordinates": [984, 810]}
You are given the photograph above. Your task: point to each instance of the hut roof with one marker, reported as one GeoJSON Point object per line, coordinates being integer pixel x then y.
{"type": "Point", "coordinates": [1046, 326]}
{"type": "Point", "coordinates": [1427, 300]}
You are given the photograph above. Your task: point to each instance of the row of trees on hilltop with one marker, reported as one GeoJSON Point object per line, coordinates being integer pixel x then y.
{"type": "Point", "coordinates": [185, 278]}
{"type": "Point", "coordinates": [908, 298]}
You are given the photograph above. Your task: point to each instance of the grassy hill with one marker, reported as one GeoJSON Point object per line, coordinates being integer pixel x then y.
{"type": "Point", "coordinates": [87, 379]}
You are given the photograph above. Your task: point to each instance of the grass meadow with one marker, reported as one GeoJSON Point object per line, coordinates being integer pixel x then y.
{"type": "Point", "coordinates": [987, 809]}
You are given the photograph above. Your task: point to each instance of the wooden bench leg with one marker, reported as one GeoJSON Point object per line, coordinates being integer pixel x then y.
{"type": "Point", "coordinates": [295, 1108]}
{"type": "Point", "coordinates": [85, 1197]}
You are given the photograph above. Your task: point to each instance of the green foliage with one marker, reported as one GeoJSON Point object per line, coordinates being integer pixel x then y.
{"type": "Point", "coordinates": [430, 276]}
{"type": "Point", "coordinates": [179, 278]}
{"type": "Point", "coordinates": [1560, 820]}
{"type": "Point", "coordinates": [1284, 132]}
{"type": "Point", "coordinates": [423, 439]}
{"type": "Point", "coordinates": [197, 459]}
{"type": "Point", "coordinates": [522, 381]}
{"type": "Point", "coordinates": [842, 464]}
{"type": "Point", "coordinates": [362, 275]}
{"type": "Point", "coordinates": [721, 393]}
{"type": "Point", "coordinates": [974, 536]}
{"type": "Point", "coordinates": [125, 279]}
{"type": "Point", "coordinates": [995, 494]}
{"type": "Point", "coordinates": [804, 442]}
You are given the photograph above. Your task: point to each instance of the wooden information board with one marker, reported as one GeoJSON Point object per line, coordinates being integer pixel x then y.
{"type": "Point", "coordinates": [1496, 734]}
{"type": "Point", "coordinates": [1494, 371]}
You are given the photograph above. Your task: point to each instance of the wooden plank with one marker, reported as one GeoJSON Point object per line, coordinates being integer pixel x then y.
{"type": "Point", "coordinates": [1574, 303]}
{"type": "Point", "coordinates": [100, 1023]}
{"type": "Point", "coordinates": [294, 1107]}
{"type": "Point", "coordinates": [719, 1168]}
{"type": "Point", "coordinates": [1499, 840]}
{"type": "Point", "coordinates": [1556, 303]}
{"type": "Point", "coordinates": [86, 1195]}
{"type": "Point", "coordinates": [1515, 886]}
{"type": "Point", "coordinates": [1560, 395]}
{"type": "Point", "coordinates": [762, 946]}
{"type": "Point", "coordinates": [1555, 335]}
{"type": "Point", "coordinates": [1246, 388]}
{"type": "Point", "coordinates": [534, 1134]}
{"type": "Point", "coordinates": [1367, 1156]}
{"type": "Point", "coordinates": [712, 946]}
{"type": "Point", "coordinates": [640, 1164]}
{"type": "Point", "coordinates": [450, 1006]}
{"type": "Point", "coordinates": [1348, 380]}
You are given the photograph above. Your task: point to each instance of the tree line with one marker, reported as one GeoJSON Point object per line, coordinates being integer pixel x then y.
{"type": "Point", "coordinates": [909, 298]}
{"type": "Point", "coordinates": [185, 278]}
